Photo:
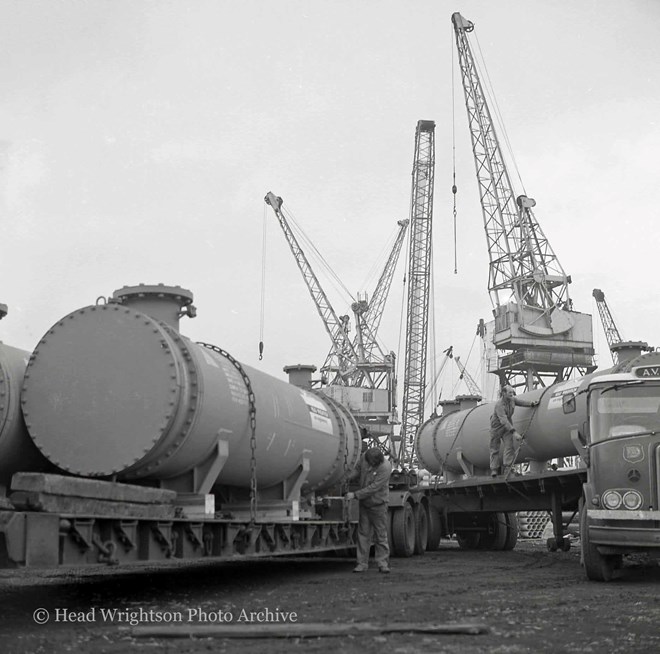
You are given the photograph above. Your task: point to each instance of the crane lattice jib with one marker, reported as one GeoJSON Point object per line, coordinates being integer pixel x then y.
{"type": "Point", "coordinates": [368, 316]}
{"type": "Point", "coordinates": [473, 388]}
{"type": "Point", "coordinates": [609, 327]}
{"type": "Point", "coordinates": [419, 276]}
{"type": "Point", "coordinates": [522, 262]}
{"type": "Point", "coordinates": [336, 327]}
{"type": "Point", "coordinates": [374, 312]}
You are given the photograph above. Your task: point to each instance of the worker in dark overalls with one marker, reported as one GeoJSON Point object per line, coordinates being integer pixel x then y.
{"type": "Point", "coordinates": [373, 496]}
{"type": "Point", "coordinates": [502, 431]}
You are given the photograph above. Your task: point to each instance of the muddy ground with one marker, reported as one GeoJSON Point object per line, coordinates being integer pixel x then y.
{"type": "Point", "coordinates": [528, 600]}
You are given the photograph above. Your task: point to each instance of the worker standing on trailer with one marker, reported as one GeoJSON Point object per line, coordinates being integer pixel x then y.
{"type": "Point", "coordinates": [503, 432]}
{"type": "Point", "coordinates": [373, 495]}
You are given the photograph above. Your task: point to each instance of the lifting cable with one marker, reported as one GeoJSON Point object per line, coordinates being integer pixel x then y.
{"type": "Point", "coordinates": [465, 364]}
{"type": "Point", "coordinates": [454, 189]}
{"type": "Point", "coordinates": [383, 256]}
{"type": "Point", "coordinates": [263, 287]}
{"type": "Point", "coordinates": [431, 361]}
{"type": "Point", "coordinates": [333, 277]}
{"type": "Point", "coordinates": [404, 301]}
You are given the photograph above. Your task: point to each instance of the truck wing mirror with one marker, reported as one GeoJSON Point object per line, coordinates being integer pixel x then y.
{"type": "Point", "coordinates": [580, 444]}
{"type": "Point", "coordinates": [568, 402]}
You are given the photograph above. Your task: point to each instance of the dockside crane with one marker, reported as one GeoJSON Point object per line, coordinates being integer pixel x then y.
{"type": "Point", "coordinates": [419, 281]}
{"type": "Point", "coordinates": [358, 373]}
{"type": "Point", "coordinates": [541, 338]}
{"type": "Point", "coordinates": [344, 353]}
{"type": "Point", "coordinates": [612, 334]}
{"type": "Point", "coordinates": [472, 385]}
{"type": "Point", "coordinates": [619, 349]}
{"type": "Point", "coordinates": [368, 314]}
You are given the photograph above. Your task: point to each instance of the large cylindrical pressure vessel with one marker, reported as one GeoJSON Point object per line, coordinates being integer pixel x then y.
{"type": "Point", "coordinates": [459, 440]}
{"type": "Point", "coordinates": [112, 391]}
{"type": "Point", "coordinates": [17, 451]}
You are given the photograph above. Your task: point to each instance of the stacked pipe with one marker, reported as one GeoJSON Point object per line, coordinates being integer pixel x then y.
{"type": "Point", "coordinates": [532, 523]}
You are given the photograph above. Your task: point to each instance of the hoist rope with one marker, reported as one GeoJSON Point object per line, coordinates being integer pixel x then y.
{"type": "Point", "coordinates": [453, 154]}
{"type": "Point", "coordinates": [402, 313]}
{"type": "Point", "coordinates": [430, 360]}
{"type": "Point", "coordinates": [334, 278]}
{"type": "Point", "coordinates": [262, 315]}
{"type": "Point", "coordinates": [377, 266]}
{"type": "Point", "coordinates": [465, 364]}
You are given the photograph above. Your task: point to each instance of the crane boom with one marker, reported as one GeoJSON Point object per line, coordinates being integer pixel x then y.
{"type": "Point", "coordinates": [609, 327]}
{"type": "Point", "coordinates": [419, 277]}
{"type": "Point", "coordinates": [467, 378]}
{"type": "Point", "coordinates": [528, 287]}
{"type": "Point", "coordinates": [522, 261]}
{"type": "Point", "coordinates": [336, 326]}
{"type": "Point", "coordinates": [368, 314]}
{"type": "Point", "coordinates": [369, 317]}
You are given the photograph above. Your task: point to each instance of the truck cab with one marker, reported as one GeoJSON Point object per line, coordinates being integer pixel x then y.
{"type": "Point", "coordinates": [620, 445]}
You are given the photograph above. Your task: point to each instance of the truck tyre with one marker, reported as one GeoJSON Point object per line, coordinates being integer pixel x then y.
{"type": "Point", "coordinates": [599, 567]}
{"type": "Point", "coordinates": [495, 537]}
{"type": "Point", "coordinates": [435, 530]}
{"type": "Point", "coordinates": [511, 531]}
{"type": "Point", "coordinates": [403, 531]}
{"type": "Point", "coordinates": [421, 529]}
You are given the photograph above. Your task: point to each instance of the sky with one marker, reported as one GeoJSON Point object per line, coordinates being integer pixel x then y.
{"type": "Point", "coordinates": [139, 138]}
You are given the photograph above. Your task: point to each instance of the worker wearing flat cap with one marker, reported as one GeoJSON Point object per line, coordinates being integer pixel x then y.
{"type": "Point", "coordinates": [373, 496]}
{"type": "Point", "coordinates": [502, 431]}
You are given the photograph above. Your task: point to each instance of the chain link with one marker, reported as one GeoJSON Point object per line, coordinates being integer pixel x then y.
{"type": "Point", "coordinates": [253, 426]}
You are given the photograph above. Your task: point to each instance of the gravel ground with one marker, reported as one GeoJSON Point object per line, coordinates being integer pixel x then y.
{"type": "Point", "coordinates": [528, 599]}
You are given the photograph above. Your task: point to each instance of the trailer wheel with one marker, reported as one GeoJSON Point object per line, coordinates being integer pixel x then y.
{"type": "Point", "coordinates": [403, 531]}
{"type": "Point", "coordinates": [495, 537]}
{"type": "Point", "coordinates": [421, 529]}
{"type": "Point", "coordinates": [468, 540]}
{"type": "Point", "coordinates": [599, 567]}
{"type": "Point", "coordinates": [435, 530]}
{"type": "Point", "coordinates": [511, 531]}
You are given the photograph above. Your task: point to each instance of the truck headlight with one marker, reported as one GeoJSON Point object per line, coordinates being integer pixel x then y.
{"type": "Point", "coordinates": [632, 500]}
{"type": "Point", "coordinates": [612, 499]}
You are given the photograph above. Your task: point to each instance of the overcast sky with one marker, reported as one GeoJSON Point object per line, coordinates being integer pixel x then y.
{"type": "Point", "coordinates": [138, 139]}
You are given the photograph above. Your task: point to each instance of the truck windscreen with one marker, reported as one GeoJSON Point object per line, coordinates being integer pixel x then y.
{"type": "Point", "coordinates": [622, 410]}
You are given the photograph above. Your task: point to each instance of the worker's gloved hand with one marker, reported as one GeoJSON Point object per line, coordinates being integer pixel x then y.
{"type": "Point", "coordinates": [349, 496]}
{"type": "Point", "coordinates": [517, 437]}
